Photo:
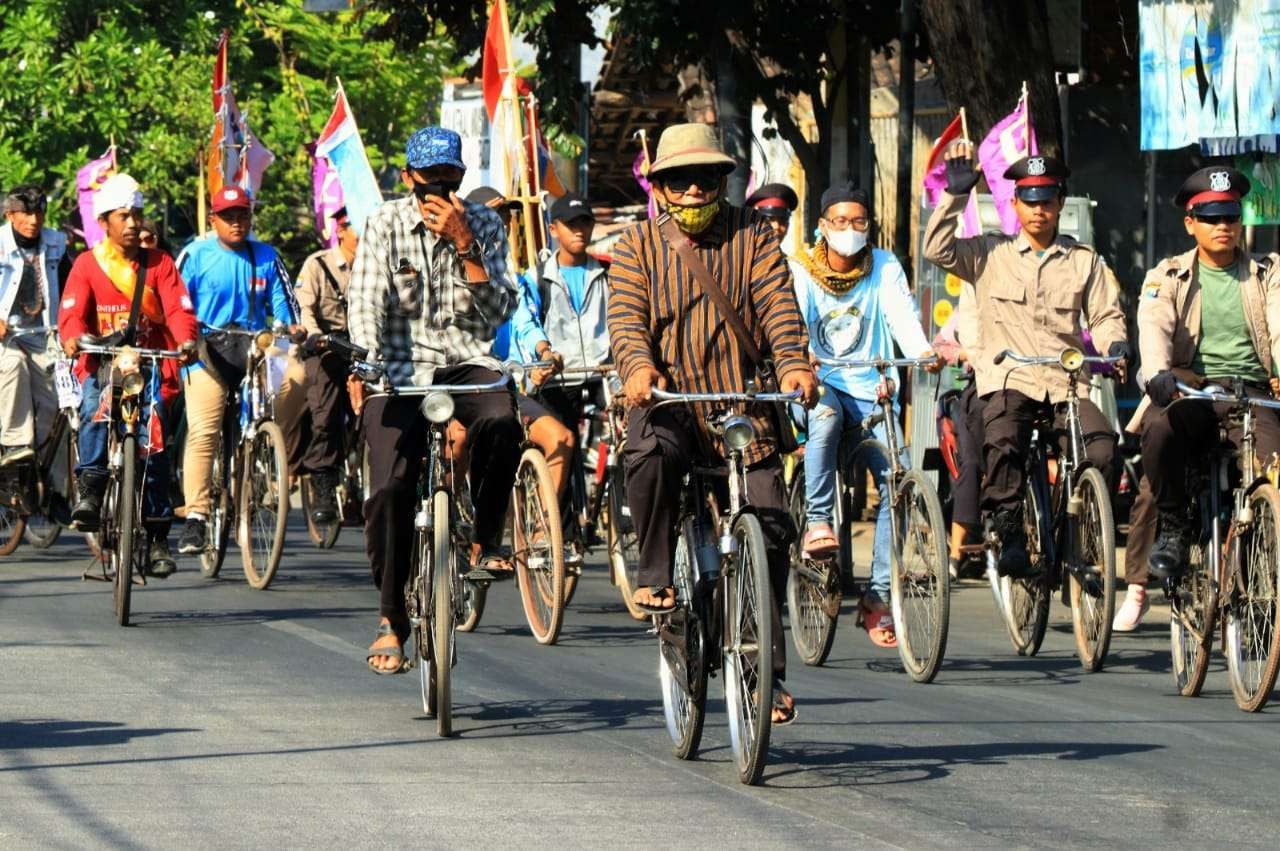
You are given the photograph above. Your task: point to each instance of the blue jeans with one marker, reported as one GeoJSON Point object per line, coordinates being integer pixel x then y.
{"type": "Point", "coordinates": [93, 440]}
{"type": "Point", "coordinates": [839, 415]}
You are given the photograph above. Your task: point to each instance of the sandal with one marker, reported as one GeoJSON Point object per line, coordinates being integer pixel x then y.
{"type": "Point", "coordinates": [395, 652]}
{"type": "Point", "coordinates": [819, 541]}
{"type": "Point", "coordinates": [878, 622]}
{"type": "Point", "coordinates": [492, 565]}
{"type": "Point", "coordinates": [663, 594]}
{"type": "Point", "coordinates": [783, 703]}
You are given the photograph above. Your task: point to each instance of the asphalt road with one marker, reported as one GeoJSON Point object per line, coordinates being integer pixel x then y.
{"type": "Point", "coordinates": [229, 717]}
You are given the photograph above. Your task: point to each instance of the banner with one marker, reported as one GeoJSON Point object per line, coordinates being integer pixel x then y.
{"type": "Point", "coordinates": [326, 193]}
{"type": "Point", "coordinates": [88, 179]}
{"type": "Point", "coordinates": [1262, 204]}
{"type": "Point", "coordinates": [340, 143]}
{"type": "Point", "coordinates": [1009, 141]}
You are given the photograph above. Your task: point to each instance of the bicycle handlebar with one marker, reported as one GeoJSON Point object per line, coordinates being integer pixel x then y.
{"type": "Point", "coordinates": [663, 397]}
{"type": "Point", "coordinates": [1054, 360]}
{"type": "Point", "coordinates": [112, 351]}
{"type": "Point", "coordinates": [876, 363]}
{"type": "Point", "coordinates": [451, 389]}
{"type": "Point", "coordinates": [1215, 393]}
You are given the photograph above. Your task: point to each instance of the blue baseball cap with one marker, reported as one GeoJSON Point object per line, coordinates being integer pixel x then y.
{"type": "Point", "coordinates": [432, 146]}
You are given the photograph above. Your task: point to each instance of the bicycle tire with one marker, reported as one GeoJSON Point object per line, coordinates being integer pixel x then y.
{"type": "Point", "coordinates": [813, 629]}
{"type": "Point", "coordinates": [264, 505]}
{"type": "Point", "coordinates": [12, 529]}
{"type": "Point", "coordinates": [682, 663]}
{"type": "Point", "coordinates": [748, 632]}
{"type": "Point", "coordinates": [1025, 602]}
{"type": "Point", "coordinates": [41, 536]}
{"type": "Point", "coordinates": [1093, 603]}
{"type": "Point", "coordinates": [125, 516]}
{"type": "Point", "coordinates": [535, 509]}
{"type": "Point", "coordinates": [44, 535]}
{"type": "Point", "coordinates": [1192, 620]}
{"type": "Point", "coordinates": [1252, 635]}
{"type": "Point", "coordinates": [624, 548]}
{"type": "Point", "coordinates": [474, 597]}
{"type": "Point", "coordinates": [221, 515]}
{"type": "Point", "coordinates": [920, 573]}
{"type": "Point", "coordinates": [417, 595]}
{"type": "Point", "coordinates": [443, 571]}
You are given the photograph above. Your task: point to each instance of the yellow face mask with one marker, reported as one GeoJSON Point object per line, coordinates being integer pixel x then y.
{"type": "Point", "coordinates": [694, 220]}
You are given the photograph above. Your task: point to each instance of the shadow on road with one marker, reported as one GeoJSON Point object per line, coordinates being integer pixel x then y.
{"type": "Point", "coordinates": [29, 734]}
{"type": "Point", "coordinates": [876, 764]}
{"type": "Point", "coordinates": [514, 718]}
{"type": "Point", "coordinates": [240, 617]}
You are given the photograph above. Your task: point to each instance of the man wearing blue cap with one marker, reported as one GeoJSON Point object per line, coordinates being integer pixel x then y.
{"type": "Point", "coordinates": [429, 289]}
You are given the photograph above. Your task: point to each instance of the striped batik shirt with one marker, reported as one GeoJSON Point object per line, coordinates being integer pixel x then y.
{"type": "Point", "coordinates": [457, 321]}
{"type": "Point", "coordinates": [659, 316]}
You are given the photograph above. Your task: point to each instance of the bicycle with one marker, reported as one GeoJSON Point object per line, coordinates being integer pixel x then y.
{"type": "Point", "coordinates": [1070, 533]}
{"type": "Point", "coordinates": [122, 556]}
{"type": "Point", "coordinates": [350, 488]}
{"type": "Point", "coordinates": [440, 565]}
{"type": "Point", "coordinates": [723, 598]}
{"type": "Point", "coordinates": [249, 481]}
{"type": "Point", "coordinates": [920, 581]}
{"type": "Point", "coordinates": [1232, 579]}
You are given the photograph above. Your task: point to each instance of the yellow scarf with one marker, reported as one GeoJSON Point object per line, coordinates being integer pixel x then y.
{"type": "Point", "coordinates": [123, 275]}
{"type": "Point", "coordinates": [836, 283]}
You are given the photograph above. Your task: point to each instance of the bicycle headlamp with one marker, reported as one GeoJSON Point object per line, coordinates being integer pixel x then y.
{"type": "Point", "coordinates": [263, 340]}
{"type": "Point", "coordinates": [1071, 359]}
{"type": "Point", "coordinates": [739, 433]}
{"type": "Point", "coordinates": [438, 407]}
{"type": "Point", "coordinates": [615, 385]}
{"type": "Point", "coordinates": [132, 383]}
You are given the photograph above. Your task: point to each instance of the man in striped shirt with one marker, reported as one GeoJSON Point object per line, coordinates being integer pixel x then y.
{"type": "Point", "coordinates": [667, 333]}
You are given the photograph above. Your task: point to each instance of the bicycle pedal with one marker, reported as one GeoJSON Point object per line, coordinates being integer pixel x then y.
{"type": "Point", "coordinates": [478, 574]}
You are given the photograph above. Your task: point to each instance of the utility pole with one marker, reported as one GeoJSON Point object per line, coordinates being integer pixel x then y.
{"type": "Point", "coordinates": [906, 130]}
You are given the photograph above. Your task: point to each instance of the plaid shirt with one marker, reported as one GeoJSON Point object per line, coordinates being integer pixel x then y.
{"type": "Point", "coordinates": [457, 321]}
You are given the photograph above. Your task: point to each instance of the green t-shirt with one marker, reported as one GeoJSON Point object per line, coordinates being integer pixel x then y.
{"type": "Point", "coordinates": [1226, 349]}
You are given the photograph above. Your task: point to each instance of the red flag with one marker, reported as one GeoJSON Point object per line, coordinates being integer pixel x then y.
{"type": "Point", "coordinates": [935, 177]}
{"type": "Point", "coordinates": [497, 64]}
{"type": "Point", "coordinates": [954, 130]}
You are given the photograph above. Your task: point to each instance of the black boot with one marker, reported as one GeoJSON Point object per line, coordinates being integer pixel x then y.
{"type": "Point", "coordinates": [324, 497]}
{"type": "Point", "coordinates": [1014, 560]}
{"type": "Point", "coordinates": [1169, 553]}
{"type": "Point", "coordinates": [87, 514]}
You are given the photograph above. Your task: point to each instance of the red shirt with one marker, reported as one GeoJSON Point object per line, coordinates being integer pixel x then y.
{"type": "Point", "coordinates": [91, 304]}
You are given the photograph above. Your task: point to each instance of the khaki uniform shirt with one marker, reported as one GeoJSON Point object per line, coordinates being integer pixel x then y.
{"type": "Point", "coordinates": [322, 304]}
{"type": "Point", "coordinates": [1169, 313]}
{"type": "Point", "coordinates": [1031, 305]}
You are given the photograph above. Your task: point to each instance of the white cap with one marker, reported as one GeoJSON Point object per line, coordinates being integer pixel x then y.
{"type": "Point", "coordinates": [119, 191]}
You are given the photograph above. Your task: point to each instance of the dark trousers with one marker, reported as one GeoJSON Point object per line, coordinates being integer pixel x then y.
{"type": "Point", "coordinates": [330, 406]}
{"type": "Point", "coordinates": [967, 421]}
{"type": "Point", "coordinates": [1142, 534]}
{"type": "Point", "coordinates": [397, 435]}
{"type": "Point", "coordinates": [660, 449]}
{"type": "Point", "coordinates": [1188, 430]}
{"type": "Point", "coordinates": [566, 405]}
{"type": "Point", "coordinates": [1007, 424]}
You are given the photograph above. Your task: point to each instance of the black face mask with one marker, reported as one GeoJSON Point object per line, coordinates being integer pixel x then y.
{"type": "Point", "coordinates": [24, 242]}
{"type": "Point", "coordinates": [439, 188]}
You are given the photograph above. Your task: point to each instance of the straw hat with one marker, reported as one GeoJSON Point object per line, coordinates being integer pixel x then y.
{"type": "Point", "coordinates": [690, 144]}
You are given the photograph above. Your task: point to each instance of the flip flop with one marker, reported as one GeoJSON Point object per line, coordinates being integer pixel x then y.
{"type": "Point", "coordinates": [487, 567]}
{"type": "Point", "coordinates": [395, 652]}
{"type": "Point", "coordinates": [880, 633]}
{"type": "Point", "coordinates": [662, 593]}
{"type": "Point", "coordinates": [820, 541]}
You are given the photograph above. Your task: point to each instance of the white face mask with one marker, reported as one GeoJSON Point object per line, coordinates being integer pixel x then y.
{"type": "Point", "coordinates": [846, 242]}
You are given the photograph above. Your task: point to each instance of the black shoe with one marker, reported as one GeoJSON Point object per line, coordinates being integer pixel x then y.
{"type": "Point", "coordinates": [1170, 552]}
{"type": "Point", "coordinates": [87, 514]}
{"type": "Point", "coordinates": [15, 455]}
{"type": "Point", "coordinates": [324, 497]}
{"type": "Point", "coordinates": [193, 539]}
{"type": "Point", "coordinates": [160, 563]}
{"type": "Point", "coordinates": [1014, 560]}
{"type": "Point", "coordinates": [58, 511]}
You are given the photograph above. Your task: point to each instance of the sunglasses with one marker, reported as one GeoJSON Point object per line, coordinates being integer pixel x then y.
{"type": "Point", "coordinates": [1219, 220]}
{"type": "Point", "coordinates": [682, 179]}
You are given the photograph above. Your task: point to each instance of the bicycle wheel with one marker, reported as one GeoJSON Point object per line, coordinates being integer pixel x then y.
{"type": "Point", "coordinates": [624, 547]}
{"type": "Point", "coordinates": [264, 504]}
{"type": "Point", "coordinates": [474, 596]}
{"type": "Point", "coordinates": [812, 589]}
{"type": "Point", "coordinates": [748, 650]}
{"type": "Point", "coordinates": [1192, 619]}
{"type": "Point", "coordinates": [12, 527]}
{"type": "Point", "coordinates": [41, 532]}
{"type": "Point", "coordinates": [125, 519]}
{"type": "Point", "coordinates": [443, 571]}
{"type": "Point", "coordinates": [1252, 642]}
{"type": "Point", "coordinates": [221, 515]}
{"type": "Point", "coordinates": [920, 581]}
{"type": "Point", "coordinates": [539, 551]}
{"type": "Point", "coordinates": [323, 535]}
{"type": "Point", "coordinates": [682, 654]}
{"type": "Point", "coordinates": [417, 597]}
{"type": "Point", "coordinates": [1093, 592]}
{"type": "Point", "coordinates": [1025, 602]}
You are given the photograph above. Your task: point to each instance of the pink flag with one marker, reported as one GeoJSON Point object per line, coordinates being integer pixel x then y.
{"type": "Point", "coordinates": [327, 196]}
{"type": "Point", "coordinates": [1009, 141]}
{"type": "Point", "coordinates": [637, 169]}
{"type": "Point", "coordinates": [88, 180]}
{"type": "Point", "coordinates": [935, 179]}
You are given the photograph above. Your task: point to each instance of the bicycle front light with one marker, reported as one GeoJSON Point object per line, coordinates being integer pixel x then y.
{"type": "Point", "coordinates": [739, 433]}
{"type": "Point", "coordinates": [131, 383]}
{"type": "Point", "coordinates": [263, 340]}
{"type": "Point", "coordinates": [1071, 359]}
{"type": "Point", "coordinates": [438, 407]}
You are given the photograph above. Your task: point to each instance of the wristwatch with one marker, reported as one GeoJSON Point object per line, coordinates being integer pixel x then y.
{"type": "Point", "coordinates": [472, 253]}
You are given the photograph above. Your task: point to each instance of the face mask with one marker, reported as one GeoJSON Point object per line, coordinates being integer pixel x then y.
{"type": "Point", "coordinates": [439, 188]}
{"type": "Point", "coordinates": [694, 220]}
{"type": "Point", "coordinates": [26, 242]}
{"type": "Point", "coordinates": [847, 242]}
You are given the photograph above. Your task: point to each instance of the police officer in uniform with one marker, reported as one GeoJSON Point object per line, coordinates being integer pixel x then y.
{"type": "Point", "coordinates": [1036, 291]}
{"type": "Point", "coordinates": [776, 202]}
{"type": "Point", "coordinates": [1209, 314]}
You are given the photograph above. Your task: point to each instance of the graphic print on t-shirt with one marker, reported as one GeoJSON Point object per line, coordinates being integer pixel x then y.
{"type": "Point", "coordinates": [840, 331]}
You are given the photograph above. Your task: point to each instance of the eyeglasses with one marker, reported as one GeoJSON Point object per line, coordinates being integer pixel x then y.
{"type": "Point", "coordinates": [682, 179]}
{"type": "Point", "coordinates": [844, 223]}
{"type": "Point", "coordinates": [1219, 220]}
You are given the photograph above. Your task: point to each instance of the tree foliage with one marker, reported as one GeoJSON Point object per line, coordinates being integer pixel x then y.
{"type": "Point", "coordinates": [81, 72]}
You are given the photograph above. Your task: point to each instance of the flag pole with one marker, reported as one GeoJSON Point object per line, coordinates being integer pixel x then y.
{"type": "Point", "coordinates": [964, 125]}
{"type": "Point", "coordinates": [1026, 127]}
{"type": "Point", "coordinates": [200, 214]}
{"type": "Point", "coordinates": [526, 203]}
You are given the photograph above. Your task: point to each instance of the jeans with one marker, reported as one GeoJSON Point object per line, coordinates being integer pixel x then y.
{"type": "Point", "coordinates": [93, 440]}
{"type": "Point", "coordinates": [838, 415]}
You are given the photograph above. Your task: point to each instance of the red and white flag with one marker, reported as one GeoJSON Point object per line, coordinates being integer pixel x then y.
{"type": "Point", "coordinates": [935, 178]}
{"type": "Point", "coordinates": [236, 156]}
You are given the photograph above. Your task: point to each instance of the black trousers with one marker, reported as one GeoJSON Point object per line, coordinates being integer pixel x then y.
{"type": "Point", "coordinates": [660, 449]}
{"type": "Point", "coordinates": [968, 425]}
{"type": "Point", "coordinates": [1189, 429]}
{"type": "Point", "coordinates": [396, 432]}
{"type": "Point", "coordinates": [567, 402]}
{"type": "Point", "coordinates": [1007, 423]}
{"type": "Point", "coordinates": [330, 406]}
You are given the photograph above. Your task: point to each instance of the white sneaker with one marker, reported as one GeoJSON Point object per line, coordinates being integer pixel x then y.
{"type": "Point", "coordinates": [1131, 613]}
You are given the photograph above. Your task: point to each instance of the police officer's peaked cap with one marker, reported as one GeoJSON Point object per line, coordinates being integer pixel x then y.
{"type": "Point", "coordinates": [1213, 191]}
{"type": "Point", "coordinates": [774, 199]}
{"type": "Point", "coordinates": [1038, 177]}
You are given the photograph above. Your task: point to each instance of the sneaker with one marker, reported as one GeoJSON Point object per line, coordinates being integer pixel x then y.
{"type": "Point", "coordinates": [193, 540]}
{"type": "Point", "coordinates": [1135, 607]}
{"type": "Point", "coordinates": [160, 563]}
{"type": "Point", "coordinates": [1170, 552]}
{"type": "Point", "coordinates": [15, 455]}
{"type": "Point", "coordinates": [324, 497]}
